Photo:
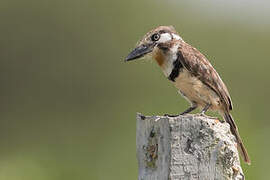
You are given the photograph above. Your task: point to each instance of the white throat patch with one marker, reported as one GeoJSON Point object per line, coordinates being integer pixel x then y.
{"type": "Point", "coordinates": [165, 37]}
{"type": "Point", "coordinates": [171, 57]}
{"type": "Point", "coordinates": [175, 36]}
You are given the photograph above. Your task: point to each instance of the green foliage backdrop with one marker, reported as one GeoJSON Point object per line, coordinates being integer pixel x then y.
{"type": "Point", "coordinates": [68, 101]}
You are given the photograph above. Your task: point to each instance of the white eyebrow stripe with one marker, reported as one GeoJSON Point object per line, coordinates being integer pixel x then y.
{"type": "Point", "coordinates": [165, 37]}
{"type": "Point", "coordinates": [175, 36]}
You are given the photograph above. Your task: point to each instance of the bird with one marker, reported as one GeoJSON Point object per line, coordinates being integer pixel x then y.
{"type": "Point", "coordinates": [191, 73]}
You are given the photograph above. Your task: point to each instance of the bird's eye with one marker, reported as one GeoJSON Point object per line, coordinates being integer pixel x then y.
{"type": "Point", "coordinates": [155, 37]}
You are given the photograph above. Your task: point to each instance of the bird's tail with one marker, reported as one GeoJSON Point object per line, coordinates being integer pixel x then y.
{"type": "Point", "coordinates": [229, 119]}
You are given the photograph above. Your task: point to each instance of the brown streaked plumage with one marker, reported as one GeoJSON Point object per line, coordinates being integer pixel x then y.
{"type": "Point", "coordinates": [199, 67]}
{"type": "Point", "coordinates": [191, 73]}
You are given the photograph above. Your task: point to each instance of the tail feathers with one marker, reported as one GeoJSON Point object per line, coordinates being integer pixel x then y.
{"type": "Point", "coordinates": [229, 119]}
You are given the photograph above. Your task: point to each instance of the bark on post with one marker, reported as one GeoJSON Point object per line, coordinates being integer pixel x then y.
{"type": "Point", "coordinates": [187, 147]}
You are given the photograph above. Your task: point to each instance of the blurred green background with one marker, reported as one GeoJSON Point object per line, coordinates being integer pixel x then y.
{"type": "Point", "coordinates": [68, 101]}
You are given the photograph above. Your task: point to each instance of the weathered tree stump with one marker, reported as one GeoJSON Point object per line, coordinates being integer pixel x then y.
{"type": "Point", "coordinates": [187, 147]}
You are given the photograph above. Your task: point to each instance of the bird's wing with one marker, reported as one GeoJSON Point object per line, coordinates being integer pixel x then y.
{"type": "Point", "coordinates": [197, 64]}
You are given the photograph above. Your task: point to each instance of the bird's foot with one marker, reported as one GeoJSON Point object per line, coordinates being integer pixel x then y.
{"type": "Point", "coordinates": [171, 115]}
{"type": "Point", "coordinates": [184, 113]}
{"type": "Point", "coordinates": [208, 117]}
{"type": "Point", "coordinates": [176, 115]}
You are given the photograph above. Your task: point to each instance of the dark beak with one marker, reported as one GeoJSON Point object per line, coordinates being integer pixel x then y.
{"type": "Point", "coordinates": [140, 51]}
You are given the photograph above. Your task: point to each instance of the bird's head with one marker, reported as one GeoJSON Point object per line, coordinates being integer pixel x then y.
{"type": "Point", "coordinates": [154, 38]}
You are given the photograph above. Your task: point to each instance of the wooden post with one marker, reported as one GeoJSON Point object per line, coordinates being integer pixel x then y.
{"type": "Point", "coordinates": [187, 147]}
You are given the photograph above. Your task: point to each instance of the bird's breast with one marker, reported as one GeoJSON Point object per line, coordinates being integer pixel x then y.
{"type": "Point", "coordinates": [195, 90]}
{"type": "Point", "coordinates": [186, 82]}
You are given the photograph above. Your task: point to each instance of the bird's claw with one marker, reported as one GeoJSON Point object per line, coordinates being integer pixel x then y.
{"type": "Point", "coordinates": [171, 115]}
{"type": "Point", "coordinates": [204, 115]}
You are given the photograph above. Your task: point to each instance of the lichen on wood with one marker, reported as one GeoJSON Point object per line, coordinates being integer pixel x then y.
{"type": "Point", "coordinates": [186, 148]}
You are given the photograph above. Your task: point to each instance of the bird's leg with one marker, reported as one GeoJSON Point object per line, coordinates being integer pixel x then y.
{"type": "Point", "coordinates": [191, 108]}
{"type": "Point", "coordinates": [202, 113]}
{"type": "Point", "coordinates": [205, 109]}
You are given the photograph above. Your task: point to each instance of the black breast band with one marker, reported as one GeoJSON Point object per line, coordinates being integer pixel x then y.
{"type": "Point", "coordinates": [177, 67]}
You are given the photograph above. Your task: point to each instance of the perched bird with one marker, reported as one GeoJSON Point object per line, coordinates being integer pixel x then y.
{"type": "Point", "coordinates": [191, 73]}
